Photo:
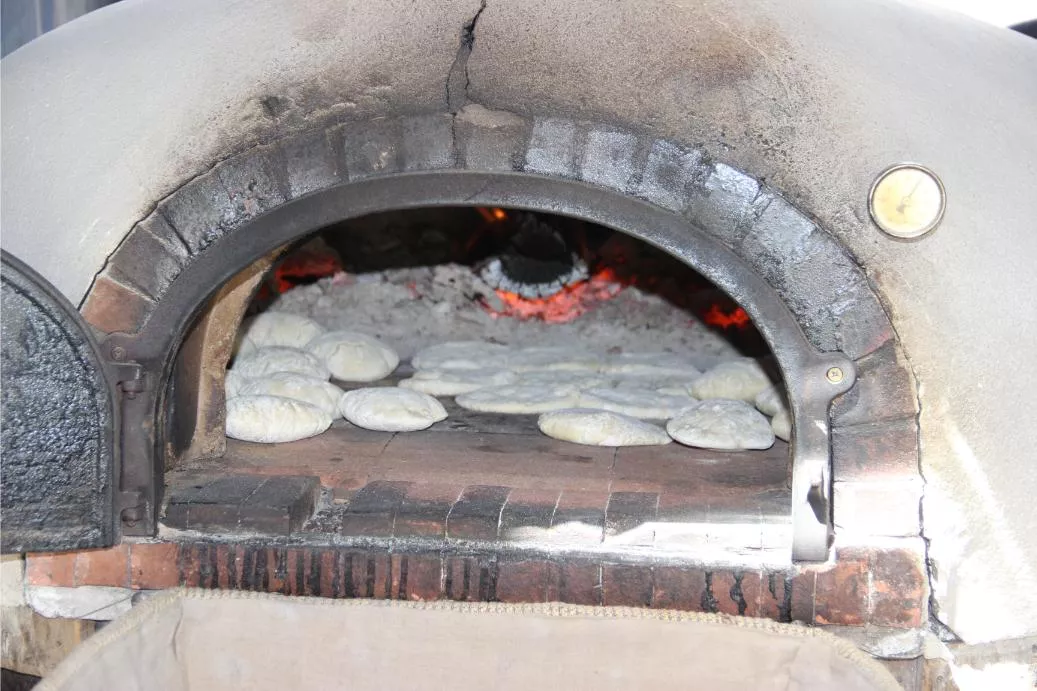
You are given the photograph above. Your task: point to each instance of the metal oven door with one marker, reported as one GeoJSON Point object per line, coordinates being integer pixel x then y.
{"type": "Point", "coordinates": [59, 421]}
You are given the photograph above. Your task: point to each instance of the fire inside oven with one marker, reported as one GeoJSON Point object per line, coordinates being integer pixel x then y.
{"type": "Point", "coordinates": [596, 365]}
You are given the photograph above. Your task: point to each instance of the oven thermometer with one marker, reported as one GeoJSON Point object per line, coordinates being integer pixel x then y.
{"type": "Point", "coordinates": [907, 201]}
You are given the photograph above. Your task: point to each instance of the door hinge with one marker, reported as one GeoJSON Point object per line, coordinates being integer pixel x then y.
{"type": "Point", "coordinates": [130, 378]}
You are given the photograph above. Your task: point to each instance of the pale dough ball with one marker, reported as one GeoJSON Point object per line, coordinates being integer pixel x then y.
{"type": "Point", "coordinates": [460, 355]}
{"type": "Point", "coordinates": [273, 419]}
{"type": "Point", "coordinates": [600, 428]}
{"type": "Point", "coordinates": [354, 356]}
{"type": "Point", "coordinates": [781, 425]}
{"type": "Point", "coordinates": [265, 361]}
{"type": "Point", "coordinates": [639, 403]}
{"type": "Point", "coordinates": [738, 380]}
{"type": "Point", "coordinates": [650, 364]}
{"type": "Point", "coordinates": [232, 383]}
{"type": "Point", "coordinates": [391, 409]}
{"type": "Point", "coordinates": [519, 399]}
{"type": "Point", "coordinates": [458, 381]}
{"type": "Point", "coordinates": [770, 401]}
{"type": "Point", "coordinates": [553, 359]}
{"type": "Point", "coordinates": [278, 329]}
{"type": "Point", "coordinates": [725, 425]}
{"type": "Point", "coordinates": [298, 387]}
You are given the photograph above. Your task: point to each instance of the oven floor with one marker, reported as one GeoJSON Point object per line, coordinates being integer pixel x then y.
{"type": "Point", "coordinates": [496, 477]}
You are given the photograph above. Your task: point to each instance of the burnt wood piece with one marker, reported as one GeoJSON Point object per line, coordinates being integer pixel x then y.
{"type": "Point", "coordinates": [241, 503]}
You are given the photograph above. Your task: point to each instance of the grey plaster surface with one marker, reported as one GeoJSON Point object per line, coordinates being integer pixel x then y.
{"type": "Point", "coordinates": [107, 115]}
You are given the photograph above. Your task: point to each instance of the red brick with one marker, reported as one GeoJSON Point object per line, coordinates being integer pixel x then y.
{"type": "Point", "coordinates": [771, 597]}
{"type": "Point", "coordinates": [626, 585]}
{"type": "Point", "coordinates": [58, 568]}
{"type": "Point", "coordinates": [579, 583]}
{"type": "Point", "coordinates": [398, 586]}
{"type": "Point", "coordinates": [675, 587]}
{"type": "Point", "coordinates": [476, 515]}
{"type": "Point", "coordinates": [424, 578]}
{"type": "Point", "coordinates": [462, 579]}
{"type": "Point", "coordinates": [876, 452]}
{"type": "Point", "coordinates": [587, 508]}
{"type": "Point", "coordinates": [361, 574]}
{"type": "Point", "coordinates": [229, 558]}
{"type": "Point", "coordinates": [678, 588]}
{"type": "Point", "coordinates": [802, 608]}
{"type": "Point", "coordinates": [528, 509]}
{"type": "Point", "coordinates": [382, 577]}
{"type": "Point", "coordinates": [111, 306]}
{"type": "Point", "coordinates": [723, 583]}
{"type": "Point", "coordinates": [424, 510]}
{"type": "Point", "coordinates": [294, 576]}
{"type": "Point", "coordinates": [327, 570]}
{"type": "Point", "coordinates": [523, 581]}
{"type": "Point", "coordinates": [754, 586]}
{"type": "Point", "coordinates": [841, 593]}
{"type": "Point", "coordinates": [153, 566]}
{"type": "Point", "coordinates": [900, 588]}
{"type": "Point", "coordinates": [109, 566]}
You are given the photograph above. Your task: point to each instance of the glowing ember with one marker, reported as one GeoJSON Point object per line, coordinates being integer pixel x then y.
{"type": "Point", "coordinates": [716, 316]}
{"type": "Point", "coordinates": [492, 215]}
{"type": "Point", "coordinates": [564, 306]}
{"type": "Point", "coordinates": [297, 269]}
{"type": "Point", "coordinates": [304, 267]}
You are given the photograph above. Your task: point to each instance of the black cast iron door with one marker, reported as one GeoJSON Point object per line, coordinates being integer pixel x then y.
{"type": "Point", "coordinates": [58, 421]}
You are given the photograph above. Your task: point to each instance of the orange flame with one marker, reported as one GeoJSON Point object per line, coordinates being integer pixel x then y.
{"type": "Point", "coordinates": [564, 306]}
{"type": "Point", "coordinates": [716, 316]}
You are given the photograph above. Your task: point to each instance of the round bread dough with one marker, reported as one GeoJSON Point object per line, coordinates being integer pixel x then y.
{"type": "Point", "coordinates": [722, 424]}
{"type": "Point", "coordinates": [650, 364]}
{"type": "Point", "coordinates": [391, 409]}
{"type": "Point", "coordinates": [639, 403]}
{"type": "Point", "coordinates": [600, 428]}
{"type": "Point", "coordinates": [278, 329]}
{"type": "Point", "coordinates": [770, 401]}
{"type": "Point", "coordinates": [670, 385]}
{"type": "Point", "coordinates": [232, 383]}
{"type": "Point", "coordinates": [460, 355]}
{"type": "Point", "coordinates": [552, 359]}
{"type": "Point", "coordinates": [519, 399]}
{"type": "Point", "coordinates": [265, 361]}
{"type": "Point", "coordinates": [297, 387]}
{"type": "Point", "coordinates": [578, 381]}
{"type": "Point", "coordinates": [273, 419]}
{"type": "Point", "coordinates": [781, 425]}
{"type": "Point", "coordinates": [458, 381]}
{"type": "Point", "coordinates": [737, 380]}
{"type": "Point", "coordinates": [352, 356]}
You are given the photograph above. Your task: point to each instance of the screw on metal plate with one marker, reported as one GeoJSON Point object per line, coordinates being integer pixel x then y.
{"type": "Point", "coordinates": [834, 375]}
{"type": "Point", "coordinates": [907, 201]}
{"type": "Point", "coordinates": [118, 352]}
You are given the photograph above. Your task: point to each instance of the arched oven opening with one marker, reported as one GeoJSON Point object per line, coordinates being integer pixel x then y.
{"type": "Point", "coordinates": [591, 318]}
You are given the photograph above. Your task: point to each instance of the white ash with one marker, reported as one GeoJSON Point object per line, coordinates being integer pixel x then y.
{"type": "Point", "coordinates": [412, 308]}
